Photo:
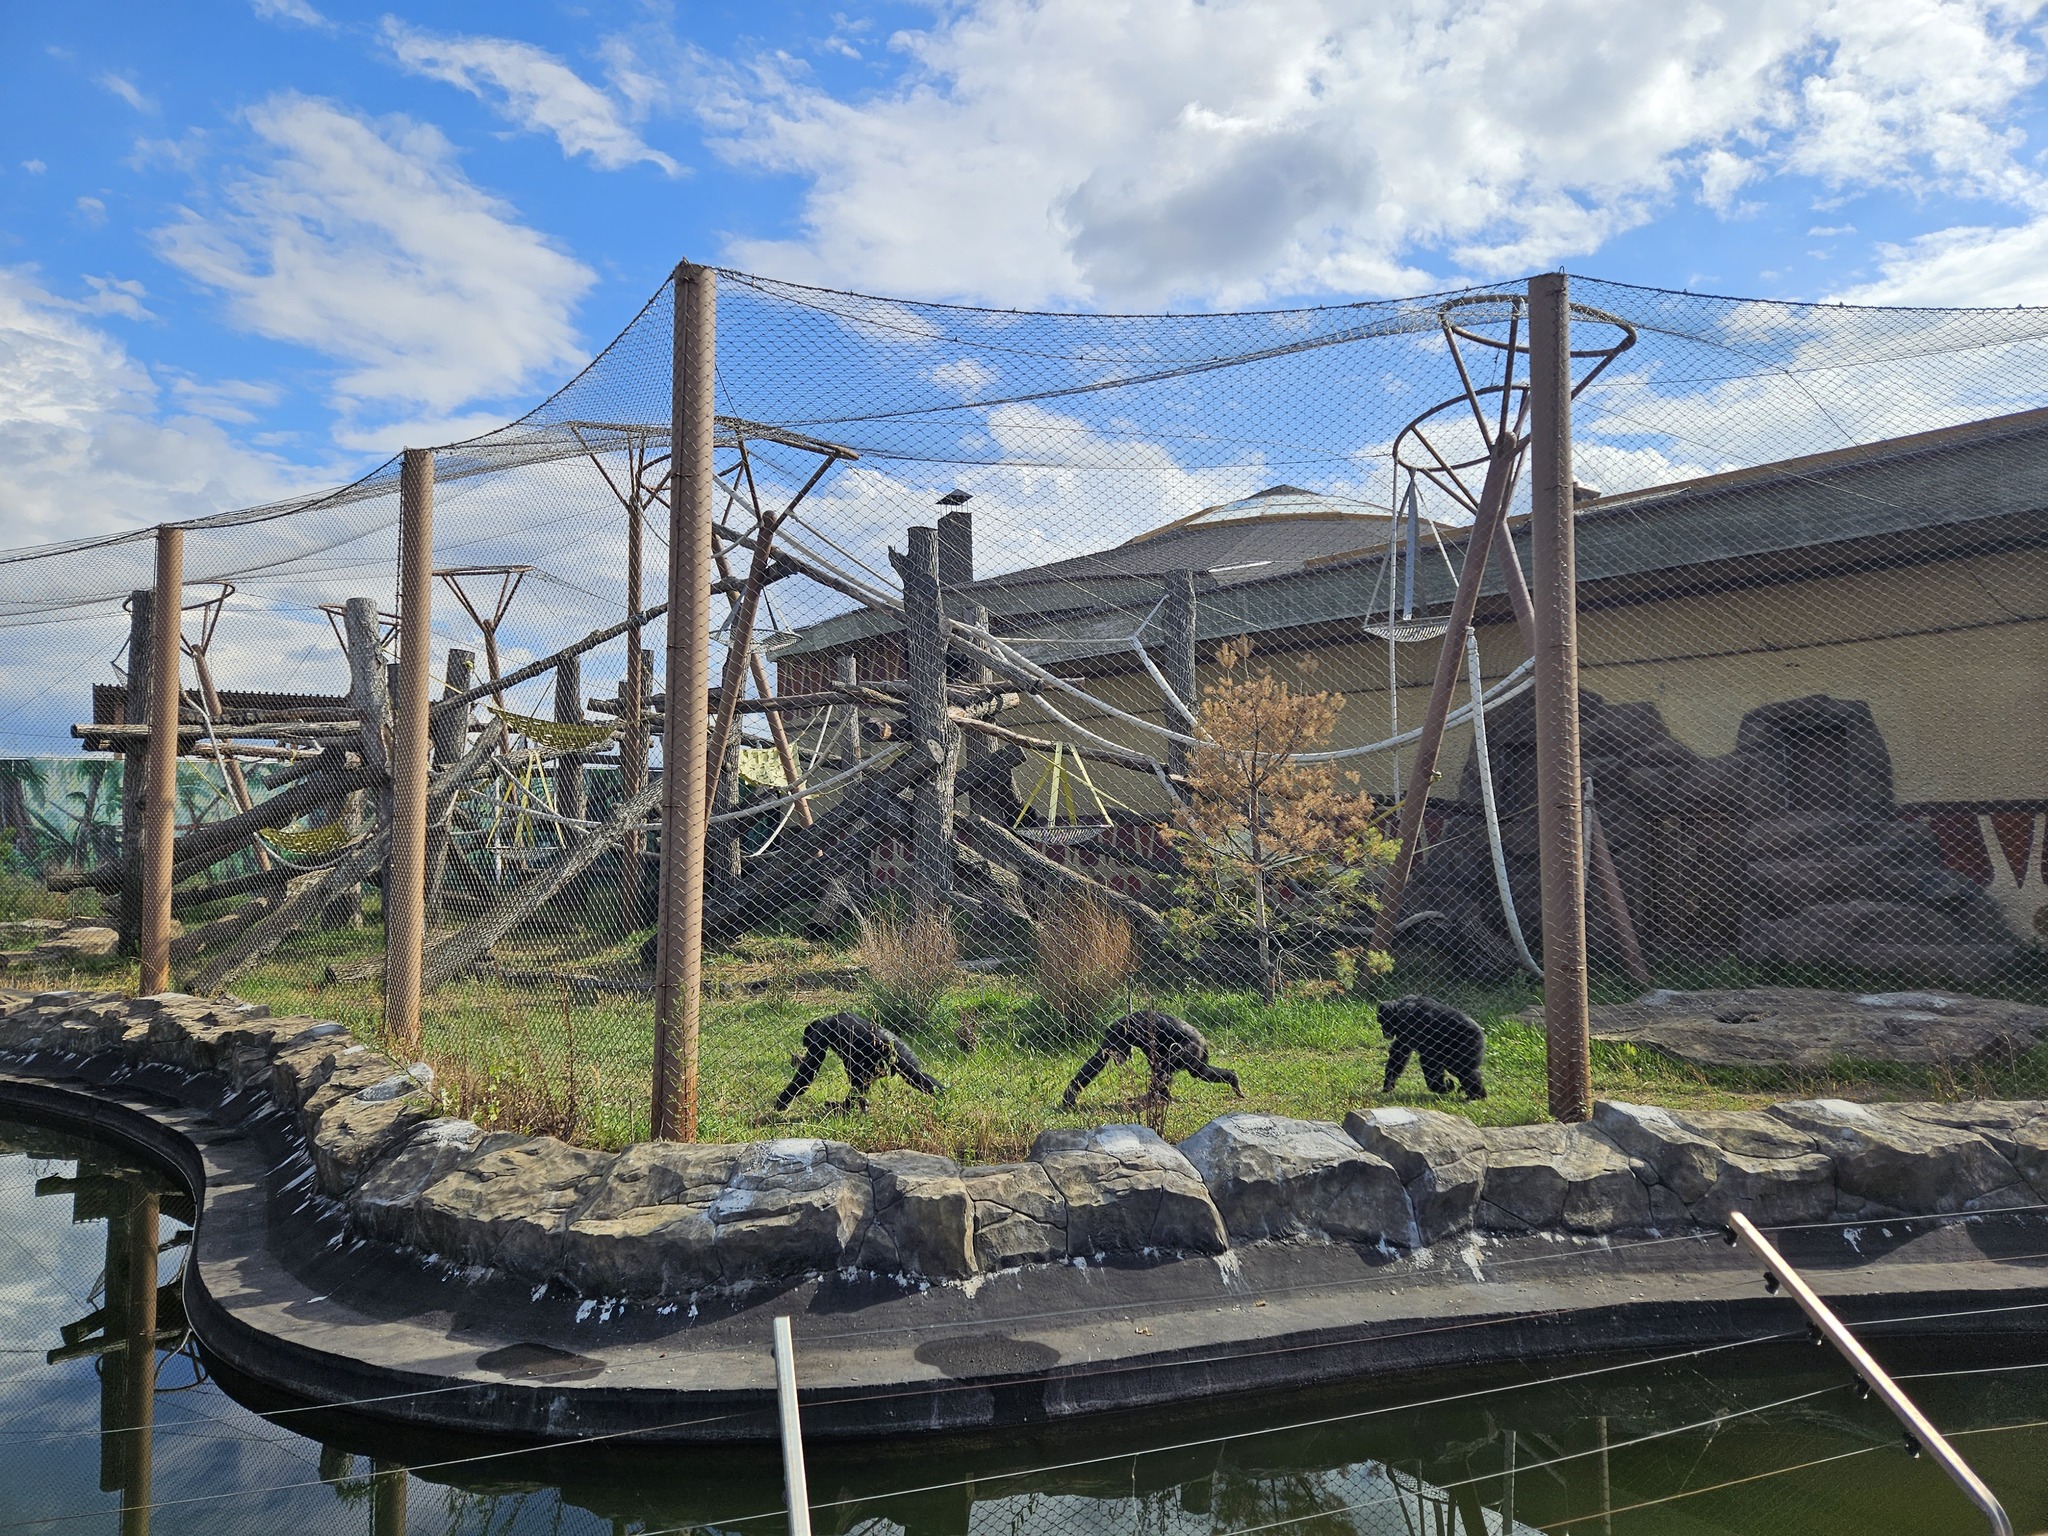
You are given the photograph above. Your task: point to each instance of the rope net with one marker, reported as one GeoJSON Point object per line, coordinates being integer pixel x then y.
{"type": "Point", "coordinates": [1087, 663]}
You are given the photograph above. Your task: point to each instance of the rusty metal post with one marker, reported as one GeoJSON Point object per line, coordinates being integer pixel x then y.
{"type": "Point", "coordinates": [160, 771]}
{"type": "Point", "coordinates": [678, 988]}
{"type": "Point", "coordinates": [1554, 595]}
{"type": "Point", "coordinates": [405, 886]}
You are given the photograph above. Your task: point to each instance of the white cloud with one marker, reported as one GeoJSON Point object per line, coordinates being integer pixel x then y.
{"type": "Point", "coordinates": [364, 241]}
{"type": "Point", "coordinates": [235, 400]}
{"type": "Point", "coordinates": [290, 10]}
{"type": "Point", "coordinates": [125, 88]}
{"type": "Point", "coordinates": [116, 296]}
{"type": "Point", "coordinates": [34, 167]}
{"type": "Point", "coordinates": [531, 87]}
{"type": "Point", "coordinates": [1963, 266]}
{"type": "Point", "coordinates": [1037, 151]}
{"type": "Point", "coordinates": [83, 447]}
{"type": "Point", "coordinates": [92, 210]}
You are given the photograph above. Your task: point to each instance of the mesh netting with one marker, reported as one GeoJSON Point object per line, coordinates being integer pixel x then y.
{"type": "Point", "coordinates": [1123, 730]}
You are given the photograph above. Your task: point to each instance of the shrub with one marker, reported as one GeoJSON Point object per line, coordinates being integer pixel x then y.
{"type": "Point", "coordinates": [1085, 958]}
{"type": "Point", "coordinates": [910, 968]}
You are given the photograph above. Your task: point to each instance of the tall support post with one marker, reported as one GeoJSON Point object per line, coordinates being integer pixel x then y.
{"type": "Point", "coordinates": [924, 661]}
{"type": "Point", "coordinates": [134, 770]}
{"type": "Point", "coordinates": [678, 986]}
{"type": "Point", "coordinates": [160, 773]}
{"type": "Point", "coordinates": [1560, 825]}
{"type": "Point", "coordinates": [1177, 645]}
{"type": "Point", "coordinates": [633, 710]}
{"type": "Point", "coordinates": [846, 670]}
{"type": "Point", "coordinates": [387, 1498]}
{"type": "Point", "coordinates": [405, 889]}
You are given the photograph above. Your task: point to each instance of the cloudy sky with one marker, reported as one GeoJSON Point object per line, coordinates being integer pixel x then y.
{"type": "Point", "coordinates": [248, 246]}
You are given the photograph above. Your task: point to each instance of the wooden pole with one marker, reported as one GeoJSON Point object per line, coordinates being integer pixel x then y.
{"type": "Point", "coordinates": [1493, 507]}
{"type": "Point", "coordinates": [569, 796]}
{"type": "Point", "coordinates": [160, 774]}
{"type": "Point", "coordinates": [450, 730]}
{"type": "Point", "coordinates": [1177, 626]}
{"type": "Point", "coordinates": [1608, 877]}
{"type": "Point", "coordinates": [1559, 820]}
{"type": "Point", "coordinates": [405, 874]}
{"type": "Point", "coordinates": [131, 1301]}
{"type": "Point", "coordinates": [134, 770]}
{"type": "Point", "coordinates": [924, 660]}
{"type": "Point", "coordinates": [679, 970]}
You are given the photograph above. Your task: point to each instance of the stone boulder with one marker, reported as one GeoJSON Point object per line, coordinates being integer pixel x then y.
{"type": "Point", "coordinates": [1128, 1190]}
{"type": "Point", "coordinates": [359, 1130]}
{"type": "Point", "coordinates": [791, 1207]}
{"type": "Point", "coordinates": [1439, 1158]}
{"type": "Point", "coordinates": [1546, 1176]}
{"type": "Point", "coordinates": [1715, 1162]}
{"type": "Point", "coordinates": [1020, 1216]}
{"type": "Point", "coordinates": [2017, 1130]}
{"type": "Point", "coordinates": [924, 1218]}
{"type": "Point", "coordinates": [1273, 1177]}
{"type": "Point", "coordinates": [1892, 1164]}
{"type": "Point", "coordinates": [383, 1198]}
{"type": "Point", "coordinates": [648, 1228]}
{"type": "Point", "coordinates": [510, 1207]}
{"type": "Point", "coordinates": [199, 1035]}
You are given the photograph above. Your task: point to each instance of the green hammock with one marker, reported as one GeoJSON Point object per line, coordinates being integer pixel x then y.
{"type": "Point", "coordinates": [307, 842]}
{"type": "Point", "coordinates": [557, 735]}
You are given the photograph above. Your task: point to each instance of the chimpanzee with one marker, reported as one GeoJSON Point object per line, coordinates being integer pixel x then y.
{"type": "Point", "coordinates": [1449, 1043]}
{"type": "Point", "coordinates": [868, 1052]}
{"type": "Point", "coordinates": [1168, 1044]}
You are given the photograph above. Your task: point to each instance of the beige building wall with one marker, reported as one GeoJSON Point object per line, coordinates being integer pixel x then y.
{"type": "Point", "coordinates": [1946, 655]}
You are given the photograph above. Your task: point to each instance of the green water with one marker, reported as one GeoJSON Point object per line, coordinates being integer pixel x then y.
{"type": "Point", "coordinates": [1766, 1438]}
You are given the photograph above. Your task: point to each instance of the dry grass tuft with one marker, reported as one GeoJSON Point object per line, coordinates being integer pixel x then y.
{"type": "Point", "coordinates": [1085, 959]}
{"type": "Point", "coordinates": [910, 968]}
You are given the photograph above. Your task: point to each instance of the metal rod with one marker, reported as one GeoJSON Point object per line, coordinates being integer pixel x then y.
{"type": "Point", "coordinates": [405, 890]}
{"type": "Point", "coordinates": [1919, 1433]}
{"type": "Point", "coordinates": [794, 1483]}
{"type": "Point", "coordinates": [1559, 817]}
{"type": "Point", "coordinates": [1492, 509]}
{"type": "Point", "coordinates": [685, 728]}
{"type": "Point", "coordinates": [160, 771]}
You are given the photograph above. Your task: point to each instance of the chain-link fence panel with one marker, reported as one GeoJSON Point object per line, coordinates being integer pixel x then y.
{"type": "Point", "coordinates": [1092, 723]}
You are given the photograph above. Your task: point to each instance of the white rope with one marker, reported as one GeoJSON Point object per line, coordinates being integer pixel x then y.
{"type": "Point", "coordinates": [1500, 859]}
{"type": "Point", "coordinates": [888, 754]}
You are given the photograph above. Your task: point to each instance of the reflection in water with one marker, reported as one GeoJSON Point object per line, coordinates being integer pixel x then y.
{"type": "Point", "coordinates": [109, 1420]}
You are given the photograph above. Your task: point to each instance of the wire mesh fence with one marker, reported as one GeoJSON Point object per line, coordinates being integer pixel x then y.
{"type": "Point", "coordinates": [1092, 711]}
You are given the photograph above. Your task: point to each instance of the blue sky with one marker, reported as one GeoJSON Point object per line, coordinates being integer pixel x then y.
{"type": "Point", "coordinates": [251, 246]}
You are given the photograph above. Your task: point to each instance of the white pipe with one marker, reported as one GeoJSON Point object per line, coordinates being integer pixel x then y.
{"type": "Point", "coordinates": [1474, 684]}
{"type": "Point", "coordinates": [796, 1486]}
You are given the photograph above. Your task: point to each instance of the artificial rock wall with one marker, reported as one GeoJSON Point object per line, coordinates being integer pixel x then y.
{"type": "Point", "coordinates": [666, 1218]}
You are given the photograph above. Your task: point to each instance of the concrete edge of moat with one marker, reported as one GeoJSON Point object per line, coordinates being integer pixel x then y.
{"type": "Point", "coordinates": [355, 1243]}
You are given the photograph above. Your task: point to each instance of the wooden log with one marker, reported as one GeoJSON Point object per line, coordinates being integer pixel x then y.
{"type": "Point", "coordinates": [633, 743]}
{"type": "Point", "coordinates": [1005, 847]}
{"type": "Point", "coordinates": [452, 956]}
{"type": "Point", "coordinates": [924, 652]}
{"type": "Point", "coordinates": [590, 642]}
{"type": "Point", "coordinates": [451, 736]}
{"type": "Point", "coordinates": [368, 683]}
{"type": "Point", "coordinates": [1136, 762]}
{"type": "Point", "coordinates": [307, 901]}
{"type": "Point", "coordinates": [1609, 879]}
{"type": "Point", "coordinates": [262, 882]}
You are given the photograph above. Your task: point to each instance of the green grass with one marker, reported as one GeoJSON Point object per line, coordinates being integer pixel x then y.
{"type": "Point", "coordinates": [506, 1052]}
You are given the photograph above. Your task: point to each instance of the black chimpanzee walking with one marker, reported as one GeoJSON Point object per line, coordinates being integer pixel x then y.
{"type": "Point", "coordinates": [869, 1053]}
{"type": "Point", "coordinates": [1168, 1044]}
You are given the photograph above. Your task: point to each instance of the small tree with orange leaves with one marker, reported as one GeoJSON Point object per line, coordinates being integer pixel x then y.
{"type": "Point", "coordinates": [1270, 847]}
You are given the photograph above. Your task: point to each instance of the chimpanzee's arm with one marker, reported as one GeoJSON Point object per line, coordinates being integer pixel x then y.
{"type": "Point", "coordinates": [1090, 1070]}
{"type": "Point", "coordinates": [806, 1074]}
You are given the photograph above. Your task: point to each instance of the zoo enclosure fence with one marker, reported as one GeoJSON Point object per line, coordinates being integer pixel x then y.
{"type": "Point", "coordinates": [1142, 649]}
